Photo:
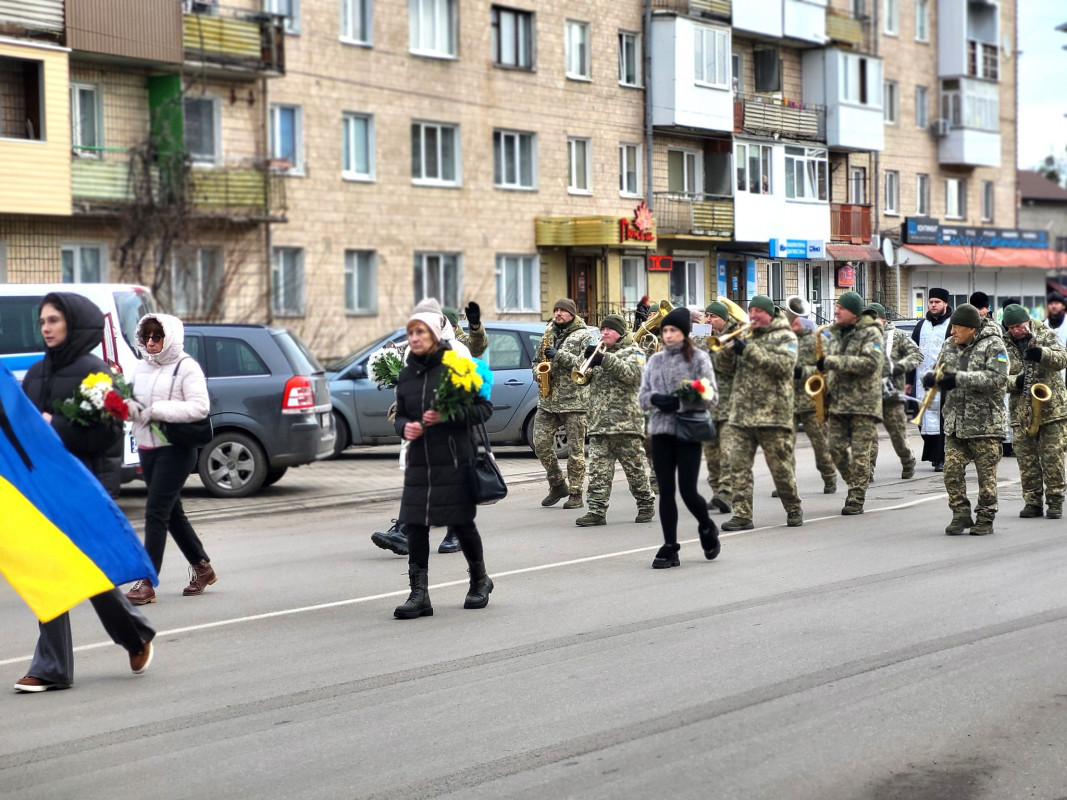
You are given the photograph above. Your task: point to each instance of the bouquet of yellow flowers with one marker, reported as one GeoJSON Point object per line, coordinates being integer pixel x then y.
{"type": "Point", "coordinates": [463, 380]}
{"type": "Point", "coordinates": [98, 398]}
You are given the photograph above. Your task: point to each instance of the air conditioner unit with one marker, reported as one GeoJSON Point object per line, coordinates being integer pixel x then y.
{"type": "Point", "coordinates": [940, 128]}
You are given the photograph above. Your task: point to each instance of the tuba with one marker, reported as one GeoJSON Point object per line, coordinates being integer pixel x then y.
{"type": "Point", "coordinates": [737, 315]}
{"type": "Point", "coordinates": [543, 368]}
{"type": "Point", "coordinates": [650, 327]}
{"type": "Point", "coordinates": [815, 386]}
{"type": "Point", "coordinates": [797, 306]}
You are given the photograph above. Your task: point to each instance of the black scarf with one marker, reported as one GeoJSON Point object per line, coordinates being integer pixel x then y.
{"type": "Point", "coordinates": [935, 319]}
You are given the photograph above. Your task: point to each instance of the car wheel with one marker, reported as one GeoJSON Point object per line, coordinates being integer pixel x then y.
{"type": "Point", "coordinates": [274, 475]}
{"type": "Point", "coordinates": [233, 465]}
{"type": "Point", "coordinates": [343, 438]}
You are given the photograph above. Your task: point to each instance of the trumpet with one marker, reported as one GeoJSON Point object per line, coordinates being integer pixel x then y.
{"type": "Point", "coordinates": [931, 393]}
{"type": "Point", "coordinates": [1040, 394]}
{"type": "Point", "coordinates": [651, 326]}
{"type": "Point", "coordinates": [581, 375]}
{"type": "Point", "coordinates": [717, 343]}
{"type": "Point", "coordinates": [815, 386]}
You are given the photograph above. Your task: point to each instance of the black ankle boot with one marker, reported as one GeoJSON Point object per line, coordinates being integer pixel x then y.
{"type": "Point", "coordinates": [393, 539]}
{"type": "Point", "coordinates": [666, 557]}
{"type": "Point", "coordinates": [418, 602]}
{"type": "Point", "coordinates": [709, 540]}
{"type": "Point", "coordinates": [481, 586]}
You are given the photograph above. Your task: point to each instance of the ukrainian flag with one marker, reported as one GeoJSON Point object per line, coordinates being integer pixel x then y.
{"type": "Point", "coordinates": [62, 539]}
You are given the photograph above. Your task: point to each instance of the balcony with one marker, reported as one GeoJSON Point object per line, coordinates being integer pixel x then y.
{"type": "Point", "coordinates": [696, 215]}
{"type": "Point", "coordinates": [230, 41]}
{"type": "Point", "coordinates": [42, 19]}
{"type": "Point", "coordinates": [682, 98]}
{"type": "Point", "coordinates": [768, 116]}
{"type": "Point", "coordinates": [849, 85]}
{"type": "Point", "coordinates": [850, 223]}
{"type": "Point", "coordinates": [712, 9]}
{"type": "Point", "coordinates": [844, 28]}
{"type": "Point", "coordinates": [148, 31]}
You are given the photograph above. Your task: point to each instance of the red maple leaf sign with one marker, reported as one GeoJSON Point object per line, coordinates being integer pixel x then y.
{"type": "Point", "coordinates": [643, 220]}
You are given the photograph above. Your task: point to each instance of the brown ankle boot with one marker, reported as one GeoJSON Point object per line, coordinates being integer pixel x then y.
{"type": "Point", "coordinates": [141, 593]}
{"type": "Point", "coordinates": [201, 576]}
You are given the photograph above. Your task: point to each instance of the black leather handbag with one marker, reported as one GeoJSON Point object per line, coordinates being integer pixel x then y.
{"type": "Point", "coordinates": [694, 426]}
{"type": "Point", "coordinates": [186, 434]}
{"type": "Point", "coordinates": [486, 482]}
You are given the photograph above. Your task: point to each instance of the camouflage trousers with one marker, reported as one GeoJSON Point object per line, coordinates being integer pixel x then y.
{"type": "Point", "coordinates": [895, 421]}
{"type": "Point", "coordinates": [777, 444]}
{"type": "Point", "coordinates": [628, 450]}
{"type": "Point", "coordinates": [817, 435]}
{"type": "Point", "coordinates": [850, 444]}
{"type": "Point", "coordinates": [546, 424]}
{"type": "Point", "coordinates": [1041, 462]}
{"type": "Point", "coordinates": [717, 455]}
{"type": "Point", "coordinates": [985, 453]}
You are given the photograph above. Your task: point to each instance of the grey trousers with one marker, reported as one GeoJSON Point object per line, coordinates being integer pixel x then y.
{"type": "Point", "coordinates": [53, 660]}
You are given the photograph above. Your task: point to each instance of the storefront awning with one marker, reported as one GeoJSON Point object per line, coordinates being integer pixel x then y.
{"type": "Point", "coordinates": [960, 255]}
{"type": "Point", "coordinates": [854, 252]}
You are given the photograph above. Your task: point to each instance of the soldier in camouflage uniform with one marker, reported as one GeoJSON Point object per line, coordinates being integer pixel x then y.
{"type": "Point", "coordinates": [717, 450]}
{"type": "Point", "coordinates": [474, 338]}
{"type": "Point", "coordinates": [616, 424]}
{"type": "Point", "coordinates": [1035, 355]}
{"type": "Point", "coordinates": [563, 346]}
{"type": "Point", "coordinates": [804, 406]}
{"type": "Point", "coordinates": [854, 394]}
{"type": "Point", "coordinates": [974, 383]}
{"type": "Point", "coordinates": [761, 412]}
{"type": "Point", "coordinates": [902, 355]}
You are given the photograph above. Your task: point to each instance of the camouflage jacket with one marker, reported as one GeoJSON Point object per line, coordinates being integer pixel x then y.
{"type": "Point", "coordinates": [1049, 371]}
{"type": "Point", "coordinates": [763, 381]}
{"type": "Point", "coordinates": [854, 359]}
{"type": "Point", "coordinates": [613, 386]}
{"type": "Point", "coordinates": [806, 361]}
{"type": "Point", "coordinates": [905, 355]}
{"type": "Point", "coordinates": [724, 362]}
{"type": "Point", "coordinates": [476, 339]}
{"type": "Point", "coordinates": [570, 342]}
{"type": "Point", "coordinates": [974, 409]}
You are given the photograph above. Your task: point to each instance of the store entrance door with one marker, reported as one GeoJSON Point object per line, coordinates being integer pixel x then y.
{"type": "Point", "coordinates": [581, 283]}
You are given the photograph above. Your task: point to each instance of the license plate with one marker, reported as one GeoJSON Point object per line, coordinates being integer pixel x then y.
{"type": "Point", "coordinates": [324, 420]}
{"type": "Point", "coordinates": [133, 444]}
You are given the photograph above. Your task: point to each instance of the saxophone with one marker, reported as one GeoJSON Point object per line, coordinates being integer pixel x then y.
{"type": "Point", "coordinates": [1040, 394]}
{"type": "Point", "coordinates": [543, 368]}
{"type": "Point", "coordinates": [815, 386]}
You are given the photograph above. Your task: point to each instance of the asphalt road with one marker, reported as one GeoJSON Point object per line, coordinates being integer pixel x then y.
{"type": "Point", "coordinates": [870, 657]}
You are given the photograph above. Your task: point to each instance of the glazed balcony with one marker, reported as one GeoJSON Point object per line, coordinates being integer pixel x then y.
{"type": "Point", "coordinates": [768, 116]}
{"type": "Point", "coordinates": [712, 9]}
{"type": "Point", "coordinates": [695, 215]}
{"type": "Point", "coordinates": [850, 222]}
{"type": "Point", "coordinates": [230, 42]}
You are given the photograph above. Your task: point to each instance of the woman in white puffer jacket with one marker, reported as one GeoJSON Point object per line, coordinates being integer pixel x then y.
{"type": "Point", "coordinates": [168, 386]}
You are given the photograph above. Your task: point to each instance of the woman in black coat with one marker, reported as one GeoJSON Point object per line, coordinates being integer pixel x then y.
{"type": "Point", "coordinates": [436, 480]}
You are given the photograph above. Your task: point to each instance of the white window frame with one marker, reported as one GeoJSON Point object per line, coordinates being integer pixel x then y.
{"type": "Point", "coordinates": [891, 195]}
{"type": "Point", "coordinates": [812, 166]}
{"type": "Point", "coordinates": [922, 107]}
{"type": "Point", "coordinates": [357, 22]}
{"type": "Point", "coordinates": [357, 262]}
{"type": "Point", "coordinates": [3, 262]}
{"type": "Point", "coordinates": [630, 164]}
{"type": "Point", "coordinates": [743, 171]}
{"type": "Point", "coordinates": [204, 289]}
{"type": "Point", "coordinates": [717, 41]}
{"type": "Point", "coordinates": [692, 171]}
{"type": "Point", "coordinates": [513, 34]}
{"type": "Point", "coordinates": [891, 102]}
{"type": "Point", "coordinates": [955, 198]}
{"type": "Point", "coordinates": [693, 279]}
{"type": "Point", "coordinates": [577, 46]}
{"type": "Point", "coordinates": [276, 149]}
{"type": "Point", "coordinates": [922, 20]}
{"type": "Point", "coordinates": [349, 120]}
{"type": "Point", "coordinates": [77, 268]}
{"type": "Point", "coordinates": [857, 185]}
{"type": "Point", "coordinates": [633, 276]}
{"type": "Point", "coordinates": [278, 282]}
{"type": "Point", "coordinates": [989, 195]}
{"type": "Point", "coordinates": [891, 17]}
{"type": "Point", "coordinates": [439, 179]}
{"type": "Point", "coordinates": [290, 9]}
{"type": "Point", "coordinates": [861, 80]}
{"type": "Point", "coordinates": [526, 270]}
{"type": "Point", "coordinates": [630, 59]}
{"type": "Point", "coordinates": [433, 28]}
{"type": "Point", "coordinates": [507, 160]}
{"type": "Point", "coordinates": [76, 138]}
{"type": "Point", "coordinates": [579, 184]}
{"type": "Point", "coordinates": [202, 159]}
{"type": "Point", "coordinates": [922, 195]}
{"type": "Point", "coordinates": [427, 285]}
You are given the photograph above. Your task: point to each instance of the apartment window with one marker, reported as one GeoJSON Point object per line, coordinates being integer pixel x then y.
{"type": "Point", "coordinates": [891, 17]}
{"type": "Point", "coordinates": [83, 263]}
{"type": "Point", "coordinates": [987, 201]}
{"type": "Point", "coordinates": [976, 106]}
{"type": "Point", "coordinates": [630, 170]}
{"type": "Point", "coordinates": [857, 185]}
{"type": "Point", "coordinates": [892, 192]}
{"type": "Point", "coordinates": [518, 283]}
{"type": "Point", "coordinates": [290, 9]}
{"type": "Point", "coordinates": [514, 160]}
{"type": "Point", "coordinates": [286, 136]}
{"type": "Point", "coordinates": [356, 21]}
{"type": "Point", "coordinates": [580, 173]}
{"type": "Point", "coordinates": [85, 120]}
{"type": "Point", "coordinates": [437, 275]}
{"type": "Point", "coordinates": [861, 80]}
{"type": "Point", "coordinates": [753, 167]}
{"type": "Point", "coordinates": [955, 198]}
{"type": "Point", "coordinates": [21, 99]}
{"type": "Point", "coordinates": [711, 56]}
{"type": "Point", "coordinates": [922, 101]}
{"type": "Point", "coordinates": [361, 282]}
{"type": "Point", "coordinates": [287, 281]}
{"type": "Point", "coordinates": [806, 173]}
{"type": "Point", "coordinates": [922, 195]}
{"type": "Point", "coordinates": [687, 283]}
{"type": "Point", "coordinates": [767, 70]}
{"type": "Point", "coordinates": [435, 154]}
{"type": "Point", "coordinates": [629, 59]}
{"type": "Point", "coordinates": [433, 27]}
{"type": "Point", "coordinates": [513, 42]}
{"type": "Point", "coordinates": [737, 77]}
{"type": "Point", "coordinates": [683, 172]}
{"type": "Point", "coordinates": [196, 280]}
{"type": "Point", "coordinates": [202, 129]}
{"type": "Point", "coordinates": [891, 110]}
{"type": "Point", "coordinates": [634, 279]}
{"type": "Point", "coordinates": [922, 20]}
{"type": "Point", "coordinates": [578, 60]}
{"type": "Point", "coordinates": [357, 146]}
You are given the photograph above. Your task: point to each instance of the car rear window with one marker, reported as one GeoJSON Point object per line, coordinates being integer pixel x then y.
{"type": "Point", "coordinates": [19, 332]}
{"type": "Point", "coordinates": [232, 358]}
{"type": "Point", "coordinates": [300, 358]}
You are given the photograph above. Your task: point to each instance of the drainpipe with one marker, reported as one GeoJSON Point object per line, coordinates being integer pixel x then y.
{"type": "Point", "coordinates": [876, 219]}
{"type": "Point", "coordinates": [646, 55]}
{"type": "Point", "coordinates": [267, 239]}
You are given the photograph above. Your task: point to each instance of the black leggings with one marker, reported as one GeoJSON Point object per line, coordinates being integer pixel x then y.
{"type": "Point", "coordinates": [470, 542]}
{"type": "Point", "coordinates": [669, 455]}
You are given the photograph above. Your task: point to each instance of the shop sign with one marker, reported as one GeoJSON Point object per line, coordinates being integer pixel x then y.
{"type": "Point", "coordinates": [798, 248]}
{"type": "Point", "coordinates": [925, 230]}
{"type": "Point", "coordinates": [919, 230]}
{"type": "Point", "coordinates": [660, 263]}
{"type": "Point", "coordinates": [641, 228]}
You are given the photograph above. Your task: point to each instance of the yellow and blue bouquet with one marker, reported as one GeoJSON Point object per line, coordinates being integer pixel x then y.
{"type": "Point", "coordinates": [463, 380]}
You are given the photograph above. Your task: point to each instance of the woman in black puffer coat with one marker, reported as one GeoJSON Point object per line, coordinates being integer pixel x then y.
{"type": "Point", "coordinates": [436, 487]}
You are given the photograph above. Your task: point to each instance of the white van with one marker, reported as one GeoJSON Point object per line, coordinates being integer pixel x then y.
{"type": "Point", "coordinates": [123, 304]}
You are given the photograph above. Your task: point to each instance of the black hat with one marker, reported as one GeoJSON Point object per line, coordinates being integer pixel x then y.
{"type": "Point", "coordinates": [979, 300]}
{"type": "Point", "coordinates": [679, 318]}
{"type": "Point", "coordinates": [1054, 297]}
{"type": "Point", "coordinates": [938, 294]}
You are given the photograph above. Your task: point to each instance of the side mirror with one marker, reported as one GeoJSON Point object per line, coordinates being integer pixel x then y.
{"type": "Point", "coordinates": [356, 372]}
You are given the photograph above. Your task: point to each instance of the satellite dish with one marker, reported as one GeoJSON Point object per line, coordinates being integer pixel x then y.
{"type": "Point", "coordinates": [888, 253]}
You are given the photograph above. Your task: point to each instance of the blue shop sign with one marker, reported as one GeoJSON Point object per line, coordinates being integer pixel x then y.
{"type": "Point", "coordinates": [798, 248]}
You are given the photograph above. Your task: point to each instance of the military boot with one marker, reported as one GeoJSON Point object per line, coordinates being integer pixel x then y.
{"type": "Point", "coordinates": [853, 506]}
{"type": "Point", "coordinates": [738, 524]}
{"type": "Point", "coordinates": [829, 485]}
{"type": "Point", "coordinates": [574, 501]}
{"type": "Point", "coordinates": [591, 519]}
{"type": "Point", "coordinates": [1055, 510]}
{"type": "Point", "coordinates": [1031, 510]}
{"type": "Point", "coordinates": [645, 514]}
{"type": "Point", "coordinates": [556, 492]}
{"type": "Point", "coordinates": [960, 523]}
{"type": "Point", "coordinates": [795, 519]}
{"type": "Point", "coordinates": [983, 527]}
{"type": "Point", "coordinates": [907, 470]}
{"type": "Point", "coordinates": [418, 602]}
{"type": "Point", "coordinates": [722, 503]}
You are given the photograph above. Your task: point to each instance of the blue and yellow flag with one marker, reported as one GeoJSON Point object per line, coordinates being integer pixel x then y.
{"type": "Point", "coordinates": [62, 539]}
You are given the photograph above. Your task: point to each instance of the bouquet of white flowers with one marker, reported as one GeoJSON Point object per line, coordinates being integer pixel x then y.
{"type": "Point", "coordinates": [385, 363]}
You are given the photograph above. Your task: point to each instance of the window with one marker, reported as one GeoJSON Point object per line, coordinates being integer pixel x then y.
{"type": "Point", "coordinates": [290, 9]}
{"type": "Point", "coordinates": [21, 99]}
{"type": "Point", "coordinates": [630, 170]}
{"type": "Point", "coordinates": [857, 185]}
{"type": "Point", "coordinates": [357, 146]}
{"type": "Point", "coordinates": [437, 275]}
{"type": "Point", "coordinates": [737, 61]}
{"type": "Point", "coordinates": [922, 119]}
{"type": "Point", "coordinates": [286, 136]}
{"type": "Point", "coordinates": [361, 282]}
{"type": "Point", "coordinates": [634, 280]}
{"type": "Point", "coordinates": [767, 70]}
{"type": "Point", "coordinates": [513, 37]}
{"type": "Point", "coordinates": [232, 358]}
{"type": "Point", "coordinates": [776, 282]}
{"type": "Point", "coordinates": [890, 17]}
{"type": "Point", "coordinates": [988, 193]}
{"type": "Point", "coordinates": [955, 198]}
{"type": "Point", "coordinates": [753, 166]}
{"type": "Point", "coordinates": [505, 351]}
{"type": "Point", "coordinates": [356, 25]}
{"type": "Point", "coordinates": [977, 106]}
{"type": "Point", "coordinates": [578, 61]}
{"type": "Point", "coordinates": [287, 281]}
{"type": "Point", "coordinates": [85, 120]}
{"type": "Point", "coordinates": [683, 172]}
{"type": "Point", "coordinates": [518, 283]}
{"type": "Point", "coordinates": [861, 80]}
{"type": "Point", "coordinates": [202, 129]}
{"type": "Point", "coordinates": [580, 173]}
{"type": "Point", "coordinates": [514, 160]}
{"type": "Point", "coordinates": [83, 263]}
{"type": "Point", "coordinates": [891, 110]}
{"type": "Point", "coordinates": [922, 195]}
{"type": "Point", "coordinates": [711, 54]}
{"type": "Point", "coordinates": [892, 192]}
{"type": "Point", "coordinates": [196, 281]}
{"type": "Point", "coordinates": [629, 59]}
{"type": "Point", "coordinates": [435, 154]}
{"type": "Point", "coordinates": [806, 173]}
{"type": "Point", "coordinates": [433, 27]}
{"type": "Point", "coordinates": [922, 20]}
{"type": "Point", "coordinates": [687, 283]}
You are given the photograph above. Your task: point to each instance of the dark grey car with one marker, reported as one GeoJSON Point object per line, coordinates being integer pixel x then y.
{"type": "Point", "coordinates": [270, 405]}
